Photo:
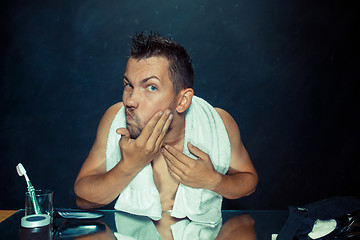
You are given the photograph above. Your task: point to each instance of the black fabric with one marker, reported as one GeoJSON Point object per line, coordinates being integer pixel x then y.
{"type": "Point", "coordinates": [301, 219]}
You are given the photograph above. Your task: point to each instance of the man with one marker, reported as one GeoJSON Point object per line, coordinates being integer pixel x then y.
{"type": "Point", "coordinates": [151, 123]}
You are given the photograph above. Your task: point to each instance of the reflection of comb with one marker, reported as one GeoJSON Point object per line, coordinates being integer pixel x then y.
{"type": "Point", "coordinates": [22, 172]}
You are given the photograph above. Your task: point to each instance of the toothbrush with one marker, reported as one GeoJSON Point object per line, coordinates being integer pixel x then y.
{"type": "Point", "coordinates": [22, 172]}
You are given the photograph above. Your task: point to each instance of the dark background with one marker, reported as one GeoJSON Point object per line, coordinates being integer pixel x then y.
{"type": "Point", "coordinates": [287, 71]}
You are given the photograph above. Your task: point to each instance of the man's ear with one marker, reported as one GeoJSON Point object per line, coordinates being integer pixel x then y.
{"type": "Point", "coordinates": [184, 101]}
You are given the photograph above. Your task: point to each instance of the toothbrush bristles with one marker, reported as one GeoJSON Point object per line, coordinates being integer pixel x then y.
{"type": "Point", "coordinates": [20, 169]}
{"type": "Point", "coordinates": [22, 172]}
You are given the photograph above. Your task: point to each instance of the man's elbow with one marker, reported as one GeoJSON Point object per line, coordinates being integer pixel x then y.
{"type": "Point", "coordinates": [250, 188]}
{"type": "Point", "coordinates": [241, 194]}
{"type": "Point", "coordinates": [81, 201]}
{"type": "Point", "coordinates": [84, 204]}
{"type": "Point", "coordinates": [250, 192]}
{"type": "Point", "coordinates": [81, 204]}
{"type": "Point", "coordinates": [253, 183]}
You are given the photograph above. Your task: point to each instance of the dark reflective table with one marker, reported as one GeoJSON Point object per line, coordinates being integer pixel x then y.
{"type": "Point", "coordinates": [239, 224]}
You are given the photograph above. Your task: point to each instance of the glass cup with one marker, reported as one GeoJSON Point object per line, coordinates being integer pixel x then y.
{"type": "Point", "coordinates": [45, 201]}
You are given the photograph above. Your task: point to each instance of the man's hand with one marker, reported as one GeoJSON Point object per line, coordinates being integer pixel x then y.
{"type": "Point", "coordinates": [137, 153]}
{"type": "Point", "coordinates": [199, 173]}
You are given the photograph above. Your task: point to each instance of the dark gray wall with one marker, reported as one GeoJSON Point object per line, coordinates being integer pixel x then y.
{"type": "Point", "coordinates": [287, 71]}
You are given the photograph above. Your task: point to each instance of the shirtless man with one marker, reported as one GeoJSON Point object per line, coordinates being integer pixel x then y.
{"type": "Point", "coordinates": [157, 93]}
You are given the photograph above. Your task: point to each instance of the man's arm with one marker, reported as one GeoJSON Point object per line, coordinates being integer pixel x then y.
{"type": "Point", "coordinates": [94, 187]}
{"type": "Point", "coordinates": [240, 180]}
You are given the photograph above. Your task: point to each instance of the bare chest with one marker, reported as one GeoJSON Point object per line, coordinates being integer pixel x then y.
{"type": "Point", "coordinates": [165, 183]}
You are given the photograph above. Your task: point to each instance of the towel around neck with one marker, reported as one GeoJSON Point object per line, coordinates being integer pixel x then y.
{"type": "Point", "coordinates": [205, 129]}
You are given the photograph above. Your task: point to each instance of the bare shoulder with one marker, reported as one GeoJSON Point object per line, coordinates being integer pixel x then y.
{"type": "Point", "coordinates": [113, 110]}
{"type": "Point", "coordinates": [95, 162]}
{"type": "Point", "coordinates": [240, 160]}
{"type": "Point", "coordinates": [230, 124]}
{"type": "Point", "coordinates": [109, 115]}
{"type": "Point", "coordinates": [105, 123]}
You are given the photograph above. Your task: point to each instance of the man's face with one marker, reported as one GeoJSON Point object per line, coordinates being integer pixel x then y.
{"type": "Point", "coordinates": [147, 90]}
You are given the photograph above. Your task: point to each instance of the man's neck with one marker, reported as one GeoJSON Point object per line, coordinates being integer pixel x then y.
{"type": "Point", "coordinates": [176, 133]}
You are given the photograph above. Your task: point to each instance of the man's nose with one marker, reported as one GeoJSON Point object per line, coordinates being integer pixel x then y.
{"type": "Point", "coordinates": [132, 100]}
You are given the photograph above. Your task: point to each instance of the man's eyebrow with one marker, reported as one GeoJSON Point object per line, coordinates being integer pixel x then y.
{"type": "Point", "coordinates": [126, 78]}
{"type": "Point", "coordinates": [144, 80]}
{"type": "Point", "coordinates": [148, 78]}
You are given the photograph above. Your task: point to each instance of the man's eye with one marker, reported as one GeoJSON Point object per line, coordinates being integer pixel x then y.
{"type": "Point", "coordinates": [127, 84]}
{"type": "Point", "coordinates": [151, 88]}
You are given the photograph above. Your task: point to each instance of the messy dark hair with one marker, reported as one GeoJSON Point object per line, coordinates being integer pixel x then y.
{"type": "Point", "coordinates": [181, 72]}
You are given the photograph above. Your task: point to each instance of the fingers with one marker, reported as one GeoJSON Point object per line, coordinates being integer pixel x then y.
{"type": "Point", "coordinates": [197, 152]}
{"type": "Point", "coordinates": [175, 167]}
{"type": "Point", "coordinates": [176, 158]}
{"type": "Point", "coordinates": [161, 138]}
{"type": "Point", "coordinates": [149, 128]}
{"type": "Point", "coordinates": [125, 134]}
{"type": "Point", "coordinates": [160, 129]}
{"type": "Point", "coordinates": [180, 160]}
{"type": "Point", "coordinates": [157, 126]}
{"type": "Point", "coordinates": [174, 172]}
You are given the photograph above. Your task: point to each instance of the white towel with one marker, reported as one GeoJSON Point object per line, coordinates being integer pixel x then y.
{"type": "Point", "coordinates": [204, 129]}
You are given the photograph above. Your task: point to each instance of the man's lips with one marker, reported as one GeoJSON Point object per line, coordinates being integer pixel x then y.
{"type": "Point", "coordinates": [129, 117]}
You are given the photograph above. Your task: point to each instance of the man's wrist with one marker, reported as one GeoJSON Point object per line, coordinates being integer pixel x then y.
{"type": "Point", "coordinates": [126, 169]}
{"type": "Point", "coordinates": [215, 181]}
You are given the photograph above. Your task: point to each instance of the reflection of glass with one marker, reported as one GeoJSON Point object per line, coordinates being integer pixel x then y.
{"type": "Point", "coordinates": [139, 227]}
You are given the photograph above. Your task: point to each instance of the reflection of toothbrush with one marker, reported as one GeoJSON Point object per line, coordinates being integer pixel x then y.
{"type": "Point", "coordinates": [22, 172]}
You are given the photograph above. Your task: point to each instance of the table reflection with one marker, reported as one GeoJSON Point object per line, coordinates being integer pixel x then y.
{"type": "Point", "coordinates": [129, 226]}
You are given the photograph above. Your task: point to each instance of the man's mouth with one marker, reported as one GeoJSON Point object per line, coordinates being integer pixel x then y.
{"type": "Point", "coordinates": [129, 116]}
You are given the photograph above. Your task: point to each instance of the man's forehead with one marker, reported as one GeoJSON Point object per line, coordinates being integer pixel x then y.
{"type": "Point", "coordinates": [139, 69]}
{"type": "Point", "coordinates": [150, 60]}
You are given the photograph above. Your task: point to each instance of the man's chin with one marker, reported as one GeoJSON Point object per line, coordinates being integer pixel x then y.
{"type": "Point", "coordinates": [134, 134]}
